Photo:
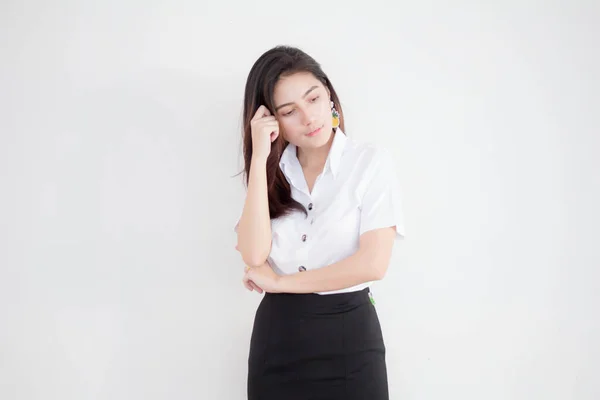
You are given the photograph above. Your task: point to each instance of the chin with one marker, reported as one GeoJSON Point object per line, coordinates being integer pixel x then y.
{"type": "Point", "coordinates": [321, 139]}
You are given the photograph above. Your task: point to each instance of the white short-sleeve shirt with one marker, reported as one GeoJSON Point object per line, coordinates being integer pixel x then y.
{"type": "Point", "coordinates": [357, 191]}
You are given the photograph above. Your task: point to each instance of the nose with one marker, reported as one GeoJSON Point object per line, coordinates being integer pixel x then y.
{"type": "Point", "coordinates": [307, 118]}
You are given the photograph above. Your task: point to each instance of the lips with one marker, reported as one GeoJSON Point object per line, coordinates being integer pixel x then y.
{"type": "Point", "coordinates": [313, 133]}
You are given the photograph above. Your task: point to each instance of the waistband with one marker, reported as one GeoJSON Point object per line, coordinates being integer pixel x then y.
{"type": "Point", "coordinates": [324, 302]}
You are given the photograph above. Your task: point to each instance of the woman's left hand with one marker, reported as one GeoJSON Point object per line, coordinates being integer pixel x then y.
{"type": "Point", "coordinates": [264, 277]}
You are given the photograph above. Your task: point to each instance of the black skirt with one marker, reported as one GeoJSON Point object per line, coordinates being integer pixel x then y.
{"type": "Point", "coordinates": [311, 346]}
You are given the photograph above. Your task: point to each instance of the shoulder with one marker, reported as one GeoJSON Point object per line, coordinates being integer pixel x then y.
{"type": "Point", "coordinates": [366, 155]}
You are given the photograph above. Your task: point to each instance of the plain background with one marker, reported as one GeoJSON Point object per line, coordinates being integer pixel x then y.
{"type": "Point", "coordinates": [120, 141]}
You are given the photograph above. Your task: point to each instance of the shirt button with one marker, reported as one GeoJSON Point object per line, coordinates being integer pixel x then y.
{"type": "Point", "coordinates": [304, 238]}
{"type": "Point", "coordinates": [301, 268]}
{"type": "Point", "coordinates": [310, 206]}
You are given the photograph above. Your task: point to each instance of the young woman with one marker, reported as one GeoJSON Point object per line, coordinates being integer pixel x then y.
{"type": "Point", "coordinates": [321, 215]}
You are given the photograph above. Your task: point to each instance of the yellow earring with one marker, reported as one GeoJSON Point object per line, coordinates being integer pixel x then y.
{"type": "Point", "coordinates": [335, 116]}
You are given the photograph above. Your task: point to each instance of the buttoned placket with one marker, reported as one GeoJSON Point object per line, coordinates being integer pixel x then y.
{"type": "Point", "coordinates": [307, 224]}
{"type": "Point", "coordinates": [306, 231]}
{"type": "Point", "coordinates": [314, 201]}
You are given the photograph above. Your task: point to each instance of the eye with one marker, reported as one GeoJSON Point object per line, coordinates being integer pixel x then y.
{"type": "Point", "coordinates": [314, 100]}
{"type": "Point", "coordinates": [288, 113]}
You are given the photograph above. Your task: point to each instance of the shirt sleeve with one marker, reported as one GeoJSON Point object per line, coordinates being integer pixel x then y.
{"type": "Point", "coordinates": [381, 203]}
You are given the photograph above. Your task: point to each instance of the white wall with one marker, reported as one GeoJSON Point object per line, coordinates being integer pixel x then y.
{"type": "Point", "coordinates": [120, 134]}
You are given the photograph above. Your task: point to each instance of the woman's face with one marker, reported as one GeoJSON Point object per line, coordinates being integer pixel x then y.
{"type": "Point", "coordinates": [303, 110]}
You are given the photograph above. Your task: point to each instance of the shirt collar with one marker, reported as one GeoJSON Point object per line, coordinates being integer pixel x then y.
{"type": "Point", "coordinates": [291, 167]}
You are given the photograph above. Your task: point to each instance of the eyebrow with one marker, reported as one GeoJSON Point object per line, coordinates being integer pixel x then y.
{"type": "Point", "coordinates": [305, 94]}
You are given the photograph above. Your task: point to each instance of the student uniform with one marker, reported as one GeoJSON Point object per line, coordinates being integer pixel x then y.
{"type": "Point", "coordinates": [326, 345]}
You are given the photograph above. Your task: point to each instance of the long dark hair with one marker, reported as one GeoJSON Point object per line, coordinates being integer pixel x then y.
{"type": "Point", "coordinates": [260, 85]}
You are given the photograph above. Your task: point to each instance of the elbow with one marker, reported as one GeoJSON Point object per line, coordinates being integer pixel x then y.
{"type": "Point", "coordinates": [378, 271]}
{"type": "Point", "coordinates": [378, 275]}
{"type": "Point", "coordinates": [374, 266]}
{"type": "Point", "coordinates": [251, 255]}
{"type": "Point", "coordinates": [253, 258]}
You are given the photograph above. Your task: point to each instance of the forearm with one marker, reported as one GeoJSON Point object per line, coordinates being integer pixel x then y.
{"type": "Point", "coordinates": [254, 230]}
{"type": "Point", "coordinates": [354, 270]}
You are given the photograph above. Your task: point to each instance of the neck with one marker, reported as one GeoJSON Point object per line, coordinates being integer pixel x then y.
{"type": "Point", "coordinates": [314, 158]}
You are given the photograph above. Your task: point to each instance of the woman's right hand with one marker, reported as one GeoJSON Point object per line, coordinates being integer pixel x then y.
{"type": "Point", "coordinates": [265, 129]}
